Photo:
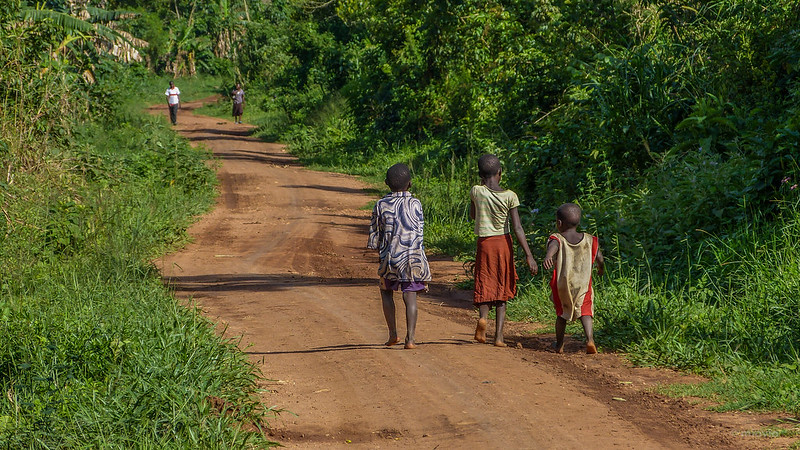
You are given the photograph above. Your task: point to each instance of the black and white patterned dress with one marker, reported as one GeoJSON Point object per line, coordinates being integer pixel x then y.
{"type": "Point", "coordinates": [396, 232]}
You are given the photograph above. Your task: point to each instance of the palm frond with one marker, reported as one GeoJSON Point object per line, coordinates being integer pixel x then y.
{"type": "Point", "coordinates": [72, 24]}
{"type": "Point", "coordinates": [62, 20]}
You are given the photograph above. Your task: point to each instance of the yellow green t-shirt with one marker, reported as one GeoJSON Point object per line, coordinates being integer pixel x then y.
{"type": "Point", "coordinates": [491, 210]}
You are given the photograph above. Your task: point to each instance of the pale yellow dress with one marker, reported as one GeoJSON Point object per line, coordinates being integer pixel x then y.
{"type": "Point", "coordinates": [571, 285]}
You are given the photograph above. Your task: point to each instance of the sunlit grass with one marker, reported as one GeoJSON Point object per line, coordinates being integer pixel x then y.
{"type": "Point", "coordinates": [94, 351]}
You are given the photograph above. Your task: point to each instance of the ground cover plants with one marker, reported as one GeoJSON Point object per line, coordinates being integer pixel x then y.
{"type": "Point", "coordinates": [94, 351]}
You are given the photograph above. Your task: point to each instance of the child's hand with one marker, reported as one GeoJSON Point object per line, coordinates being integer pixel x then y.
{"type": "Point", "coordinates": [600, 262]}
{"type": "Point", "coordinates": [534, 268]}
{"type": "Point", "coordinates": [548, 262]}
{"type": "Point", "coordinates": [426, 287]}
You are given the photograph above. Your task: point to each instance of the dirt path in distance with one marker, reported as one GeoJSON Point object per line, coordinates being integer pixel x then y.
{"type": "Point", "coordinates": [281, 261]}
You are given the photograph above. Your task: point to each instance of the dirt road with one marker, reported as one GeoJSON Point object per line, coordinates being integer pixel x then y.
{"type": "Point", "coordinates": [281, 261]}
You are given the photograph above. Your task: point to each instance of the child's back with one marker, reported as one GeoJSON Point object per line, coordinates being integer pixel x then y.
{"type": "Point", "coordinates": [396, 232]}
{"type": "Point", "coordinates": [491, 210]}
{"type": "Point", "coordinates": [573, 255]}
{"type": "Point", "coordinates": [571, 284]}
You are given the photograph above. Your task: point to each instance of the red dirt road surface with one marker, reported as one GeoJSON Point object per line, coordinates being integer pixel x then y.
{"type": "Point", "coordinates": [281, 261]}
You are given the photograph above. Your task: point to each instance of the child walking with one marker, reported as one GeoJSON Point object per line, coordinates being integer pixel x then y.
{"type": "Point", "coordinates": [396, 232]}
{"type": "Point", "coordinates": [571, 286]}
{"type": "Point", "coordinates": [237, 95]}
{"type": "Point", "coordinates": [495, 275]}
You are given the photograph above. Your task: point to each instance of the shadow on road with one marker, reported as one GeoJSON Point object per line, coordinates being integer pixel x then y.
{"type": "Point", "coordinates": [442, 294]}
{"type": "Point", "coordinates": [221, 133]}
{"type": "Point", "coordinates": [342, 189]}
{"type": "Point", "coordinates": [265, 158]}
{"type": "Point", "coordinates": [254, 282]}
{"type": "Point", "coordinates": [345, 347]}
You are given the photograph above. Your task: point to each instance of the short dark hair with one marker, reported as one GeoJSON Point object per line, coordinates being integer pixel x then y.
{"type": "Point", "coordinates": [569, 214]}
{"type": "Point", "coordinates": [397, 177]}
{"type": "Point", "coordinates": [171, 83]}
{"type": "Point", "coordinates": [488, 165]}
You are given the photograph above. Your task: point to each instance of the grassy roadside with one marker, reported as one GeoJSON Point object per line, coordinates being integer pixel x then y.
{"type": "Point", "coordinates": [95, 352]}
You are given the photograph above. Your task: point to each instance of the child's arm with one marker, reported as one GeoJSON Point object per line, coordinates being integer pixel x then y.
{"type": "Point", "coordinates": [523, 240]}
{"type": "Point", "coordinates": [600, 263]}
{"type": "Point", "coordinates": [373, 241]}
{"type": "Point", "coordinates": [552, 249]}
{"type": "Point", "coordinates": [471, 210]}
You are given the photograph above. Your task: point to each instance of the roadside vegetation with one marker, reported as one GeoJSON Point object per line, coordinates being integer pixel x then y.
{"type": "Point", "coordinates": [94, 351]}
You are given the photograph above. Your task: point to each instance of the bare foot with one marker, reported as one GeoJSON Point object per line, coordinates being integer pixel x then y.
{"type": "Point", "coordinates": [591, 349]}
{"type": "Point", "coordinates": [480, 331]}
{"type": "Point", "coordinates": [500, 344]}
{"type": "Point", "coordinates": [392, 341]}
{"type": "Point", "coordinates": [410, 345]}
{"type": "Point", "coordinates": [558, 348]}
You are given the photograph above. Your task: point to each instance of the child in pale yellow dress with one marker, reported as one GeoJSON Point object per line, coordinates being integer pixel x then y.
{"type": "Point", "coordinates": [573, 255]}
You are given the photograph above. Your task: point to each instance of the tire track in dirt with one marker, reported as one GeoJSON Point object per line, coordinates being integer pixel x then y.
{"type": "Point", "coordinates": [281, 261]}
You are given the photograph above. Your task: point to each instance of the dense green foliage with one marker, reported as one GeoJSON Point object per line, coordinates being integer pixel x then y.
{"type": "Point", "coordinates": [94, 352]}
{"type": "Point", "coordinates": [656, 121]}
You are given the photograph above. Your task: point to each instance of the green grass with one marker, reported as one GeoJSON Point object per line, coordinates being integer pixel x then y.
{"type": "Point", "coordinates": [532, 303]}
{"type": "Point", "coordinates": [99, 354]}
{"type": "Point", "coordinates": [747, 387]}
{"type": "Point", "coordinates": [94, 351]}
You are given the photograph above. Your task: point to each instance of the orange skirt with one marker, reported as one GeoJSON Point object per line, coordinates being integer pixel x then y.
{"type": "Point", "coordinates": [495, 274]}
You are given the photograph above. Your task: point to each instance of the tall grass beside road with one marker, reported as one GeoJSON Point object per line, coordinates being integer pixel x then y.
{"type": "Point", "coordinates": [94, 350]}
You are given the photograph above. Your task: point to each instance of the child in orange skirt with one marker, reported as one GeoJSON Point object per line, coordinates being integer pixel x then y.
{"type": "Point", "coordinates": [495, 275]}
{"type": "Point", "coordinates": [573, 255]}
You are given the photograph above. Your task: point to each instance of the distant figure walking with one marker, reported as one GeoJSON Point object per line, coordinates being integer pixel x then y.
{"type": "Point", "coordinates": [238, 103]}
{"type": "Point", "coordinates": [173, 101]}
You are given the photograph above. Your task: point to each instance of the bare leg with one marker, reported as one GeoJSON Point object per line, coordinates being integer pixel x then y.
{"type": "Point", "coordinates": [388, 313]}
{"type": "Point", "coordinates": [480, 330]}
{"type": "Point", "coordinates": [410, 298]}
{"type": "Point", "coordinates": [561, 327]}
{"type": "Point", "coordinates": [587, 322]}
{"type": "Point", "coordinates": [499, 321]}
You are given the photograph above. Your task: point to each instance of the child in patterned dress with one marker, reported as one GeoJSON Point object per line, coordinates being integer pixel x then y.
{"type": "Point", "coordinates": [571, 286]}
{"type": "Point", "coordinates": [494, 210]}
{"type": "Point", "coordinates": [396, 232]}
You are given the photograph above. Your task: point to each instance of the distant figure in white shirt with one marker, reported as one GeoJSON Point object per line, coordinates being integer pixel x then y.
{"type": "Point", "coordinates": [174, 101]}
